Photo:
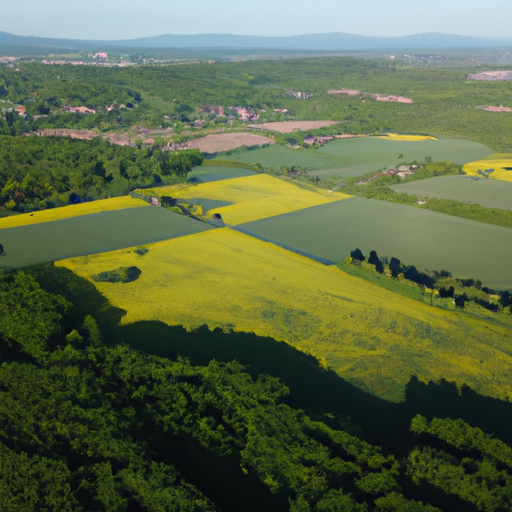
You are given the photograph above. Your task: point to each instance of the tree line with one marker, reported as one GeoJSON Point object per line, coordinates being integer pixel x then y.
{"type": "Point", "coordinates": [461, 290]}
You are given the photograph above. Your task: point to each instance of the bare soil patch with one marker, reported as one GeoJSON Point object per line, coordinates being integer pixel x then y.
{"type": "Point", "coordinates": [291, 126]}
{"type": "Point", "coordinates": [501, 108]}
{"type": "Point", "coordinates": [226, 142]}
{"type": "Point", "coordinates": [66, 132]}
{"type": "Point", "coordinates": [492, 76]}
{"type": "Point", "coordinates": [392, 98]}
{"type": "Point", "coordinates": [350, 92]}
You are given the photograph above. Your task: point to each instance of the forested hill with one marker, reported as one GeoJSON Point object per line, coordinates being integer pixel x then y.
{"type": "Point", "coordinates": [87, 423]}
{"type": "Point", "coordinates": [334, 41]}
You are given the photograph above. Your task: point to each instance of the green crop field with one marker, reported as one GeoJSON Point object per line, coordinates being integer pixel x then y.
{"type": "Point", "coordinates": [466, 189]}
{"type": "Point", "coordinates": [427, 239]}
{"type": "Point", "coordinates": [90, 234]}
{"type": "Point", "coordinates": [354, 157]}
{"type": "Point", "coordinates": [276, 156]}
{"type": "Point", "coordinates": [215, 173]}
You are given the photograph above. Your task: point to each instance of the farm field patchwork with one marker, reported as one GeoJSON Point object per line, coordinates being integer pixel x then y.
{"type": "Point", "coordinates": [89, 234]}
{"type": "Point", "coordinates": [467, 189]}
{"type": "Point", "coordinates": [369, 336]}
{"type": "Point", "coordinates": [426, 239]}
{"type": "Point", "coordinates": [75, 210]}
{"type": "Point", "coordinates": [500, 164]}
{"type": "Point", "coordinates": [356, 156]}
{"type": "Point", "coordinates": [250, 198]}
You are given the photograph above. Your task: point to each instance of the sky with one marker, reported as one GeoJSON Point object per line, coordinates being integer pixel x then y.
{"type": "Point", "coordinates": [131, 19]}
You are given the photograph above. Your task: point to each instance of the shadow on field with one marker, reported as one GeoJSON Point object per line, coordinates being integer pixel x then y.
{"type": "Point", "coordinates": [321, 393]}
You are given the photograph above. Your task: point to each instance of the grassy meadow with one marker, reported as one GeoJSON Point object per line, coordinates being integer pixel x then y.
{"type": "Point", "coordinates": [70, 211]}
{"type": "Point", "coordinates": [250, 198]}
{"type": "Point", "coordinates": [358, 156]}
{"type": "Point", "coordinates": [427, 239]}
{"type": "Point", "coordinates": [466, 189]}
{"type": "Point", "coordinates": [501, 165]}
{"type": "Point", "coordinates": [370, 336]}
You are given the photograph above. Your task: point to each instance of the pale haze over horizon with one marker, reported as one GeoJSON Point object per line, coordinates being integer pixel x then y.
{"type": "Point", "coordinates": [128, 19]}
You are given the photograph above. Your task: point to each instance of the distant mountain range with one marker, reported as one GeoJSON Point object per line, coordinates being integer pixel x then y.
{"type": "Point", "coordinates": [334, 41]}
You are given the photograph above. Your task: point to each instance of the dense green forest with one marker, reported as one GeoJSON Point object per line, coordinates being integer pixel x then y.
{"type": "Point", "coordinates": [88, 423]}
{"type": "Point", "coordinates": [37, 172]}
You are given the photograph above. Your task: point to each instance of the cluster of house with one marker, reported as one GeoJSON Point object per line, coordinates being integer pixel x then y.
{"type": "Point", "coordinates": [79, 110]}
{"type": "Point", "coordinates": [19, 109]}
{"type": "Point", "coordinates": [377, 97]}
{"type": "Point", "coordinates": [101, 61]}
{"type": "Point", "coordinates": [319, 139]}
{"type": "Point", "coordinates": [402, 171]}
{"type": "Point", "coordinates": [245, 115]}
{"type": "Point", "coordinates": [299, 95]}
{"type": "Point", "coordinates": [212, 109]}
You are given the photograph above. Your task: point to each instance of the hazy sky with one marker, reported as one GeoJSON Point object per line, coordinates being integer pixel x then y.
{"type": "Point", "coordinates": [127, 19]}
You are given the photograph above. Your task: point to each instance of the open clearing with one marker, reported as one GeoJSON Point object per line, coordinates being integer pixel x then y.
{"type": "Point", "coordinates": [292, 126]}
{"type": "Point", "coordinates": [467, 189]}
{"type": "Point", "coordinates": [75, 210]}
{"type": "Point", "coordinates": [227, 141]}
{"type": "Point", "coordinates": [250, 198]}
{"type": "Point", "coordinates": [420, 237]}
{"type": "Point", "coordinates": [369, 336]}
{"type": "Point", "coordinates": [357, 156]}
{"type": "Point", "coordinates": [499, 164]}
{"type": "Point", "coordinates": [90, 234]}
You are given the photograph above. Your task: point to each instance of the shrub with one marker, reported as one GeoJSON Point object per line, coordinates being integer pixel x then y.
{"type": "Point", "coordinates": [394, 266]}
{"type": "Point", "coordinates": [357, 254]}
{"type": "Point", "coordinates": [120, 275]}
{"type": "Point", "coordinates": [373, 259]}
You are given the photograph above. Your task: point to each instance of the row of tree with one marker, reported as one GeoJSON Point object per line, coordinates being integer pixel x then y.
{"type": "Point", "coordinates": [460, 289]}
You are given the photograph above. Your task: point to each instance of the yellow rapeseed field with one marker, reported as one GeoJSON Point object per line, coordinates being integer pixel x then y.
{"type": "Point", "coordinates": [65, 212]}
{"type": "Point", "coordinates": [397, 136]}
{"type": "Point", "coordinates": [499, 162]}
{"type": "Point", "coordinates": [253, 197]}
{"type": "Point", "coordinates": [370, 336]}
